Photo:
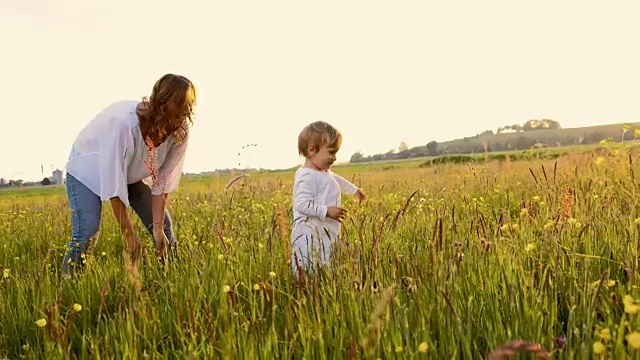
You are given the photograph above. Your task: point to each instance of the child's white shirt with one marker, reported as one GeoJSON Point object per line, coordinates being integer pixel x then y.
{"type": "Point", "coordinates": [313, 192]}
{"type": "Point", "coordinates": [110, 153]}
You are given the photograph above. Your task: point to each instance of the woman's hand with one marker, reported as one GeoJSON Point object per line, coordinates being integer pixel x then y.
{"type": "Point", "coordinates": [161, 240]}
{"type": "Point", "coordinates": [132, 245]}
{"type": "Point", "coordinates": [131, 240]}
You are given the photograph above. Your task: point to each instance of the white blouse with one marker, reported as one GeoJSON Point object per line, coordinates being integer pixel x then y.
{"type": "Point", "coordinates": [110, 153]}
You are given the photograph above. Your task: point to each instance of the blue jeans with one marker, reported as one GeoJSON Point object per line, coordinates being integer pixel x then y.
{"type": "Point", "coordinates": [86, 216]}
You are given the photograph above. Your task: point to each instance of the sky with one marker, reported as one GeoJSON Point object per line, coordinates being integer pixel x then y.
{"type": "Point", "coordinates": [382, 72]}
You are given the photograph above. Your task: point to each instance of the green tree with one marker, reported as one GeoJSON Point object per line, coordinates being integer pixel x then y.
{"type": "Point", "coordinates": [357, 157]}
{"type": "Point", "coordinates": [432, 148]}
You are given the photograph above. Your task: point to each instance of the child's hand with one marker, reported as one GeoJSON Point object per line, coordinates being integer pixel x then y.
{"type": "Point", "coordinates": [336, 213]}
{"type": "Point", "coordinates": [360, 195]}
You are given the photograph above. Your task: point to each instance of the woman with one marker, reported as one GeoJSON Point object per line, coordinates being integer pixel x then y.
{"type": "Point", "coordinates": [126, 143]}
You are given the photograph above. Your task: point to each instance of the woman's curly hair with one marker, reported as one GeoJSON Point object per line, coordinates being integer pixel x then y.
{"type": "Point", "coordinates": [169, 110]}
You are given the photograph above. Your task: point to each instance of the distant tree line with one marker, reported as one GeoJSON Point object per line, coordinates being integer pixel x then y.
{"type": "Point", "coordinates": [531, 134]}
{"type": "Point", "coordinates": [21, 183]}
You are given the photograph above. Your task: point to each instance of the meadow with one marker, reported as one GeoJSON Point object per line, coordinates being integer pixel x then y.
{"type": "Point", "coordinates": [536, 257]}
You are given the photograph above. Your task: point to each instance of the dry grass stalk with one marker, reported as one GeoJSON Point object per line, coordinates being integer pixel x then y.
{"type": "Point", "coordinates": [136, 280]}
{"type": "Point", "coordinates": [282, 226]}
{"type": "Point", "coordinates": [302, 279]}
{"type": "Point", "coordinates": [132, 271]}
{"type": "Point", "coordinates": [234, 180]}
{"type": "Point", "coordinates": [57, 332]}
{"type": "Point", "coordinates": [445, 295]}
{"type": "Point", "coordinates": [402, 210]}
{"type": "Point", "coordinates": [377, 319]}
{"type": "Point", "coordinates": [566, 203]}
{"type": "Point", "coordinates": [352, 349]}
{"type": "Point", "coordinates": [103, 297]}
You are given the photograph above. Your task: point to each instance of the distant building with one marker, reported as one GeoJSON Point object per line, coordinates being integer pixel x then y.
{"type": "Point", "coordinates": [57, 177]}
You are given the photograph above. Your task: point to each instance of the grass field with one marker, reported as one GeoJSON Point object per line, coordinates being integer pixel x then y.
{"type": "Point", "coordinates": [446, 261]}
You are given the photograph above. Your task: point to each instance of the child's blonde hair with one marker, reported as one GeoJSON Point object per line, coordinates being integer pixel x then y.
{"type": "Point", "coordinates": [318, 134]}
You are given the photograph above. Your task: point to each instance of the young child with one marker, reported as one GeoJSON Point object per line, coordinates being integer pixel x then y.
{"type": "Point", "coordinates": [317, 212]}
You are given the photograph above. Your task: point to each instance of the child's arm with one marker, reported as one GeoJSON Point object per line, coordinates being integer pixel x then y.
{"type": "Point", "coordinates": [345, 185]}
{"type": "Point", "coordinates": [304, 191]}
{"type": "Point", "coordinates": [348, 187]}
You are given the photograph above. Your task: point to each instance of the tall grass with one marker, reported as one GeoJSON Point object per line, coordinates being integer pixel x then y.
{"type": "Point", "coordinates": [450, 261]}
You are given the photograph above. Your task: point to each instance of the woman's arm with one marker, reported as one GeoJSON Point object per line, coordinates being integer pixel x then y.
{"type": "Point", "coordinates": [169, 175]}
{"type": "Point", "coordinates": [158, 206]}
{"type": "Point", "coordinates": [170, 172]}
{"type": "Point", "coordinates": [131, 240]}
{"type": "Point", "coordinates": [115, 143]}
{"type": "Point", "coordinates": [120, 212]}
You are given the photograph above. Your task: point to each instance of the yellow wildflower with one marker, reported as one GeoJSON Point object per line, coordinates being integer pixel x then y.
{"type": "Point", "coordinates": [605, 334]}
{"type": "Point", "coordinates": [634, 339]}
{"type": "Point", "coordinates": [272, 274]}
{"type": "Point", "coordinates": [41, 322]}
{"type": "Point", "coordinates": [530, 247]}
{"type": "Point", "coordinates": [628, 300]}
{"type": "Point", "coordinates": [598, 348]}
{"type": "Point", "coordinates": [629, 305]}
{"type": "Point", "coordinates": [5, 273]}
{"type": "Point", "coordinates": [631, 309]}
{"type": "Point", "coordinates": [256, 287]}
{"type": "Point", "coordinates": [226, 289]}
{"type": "Point", "coordinates": [77, 307]}
{"type": "Point", "coordinates": [423, 347]}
